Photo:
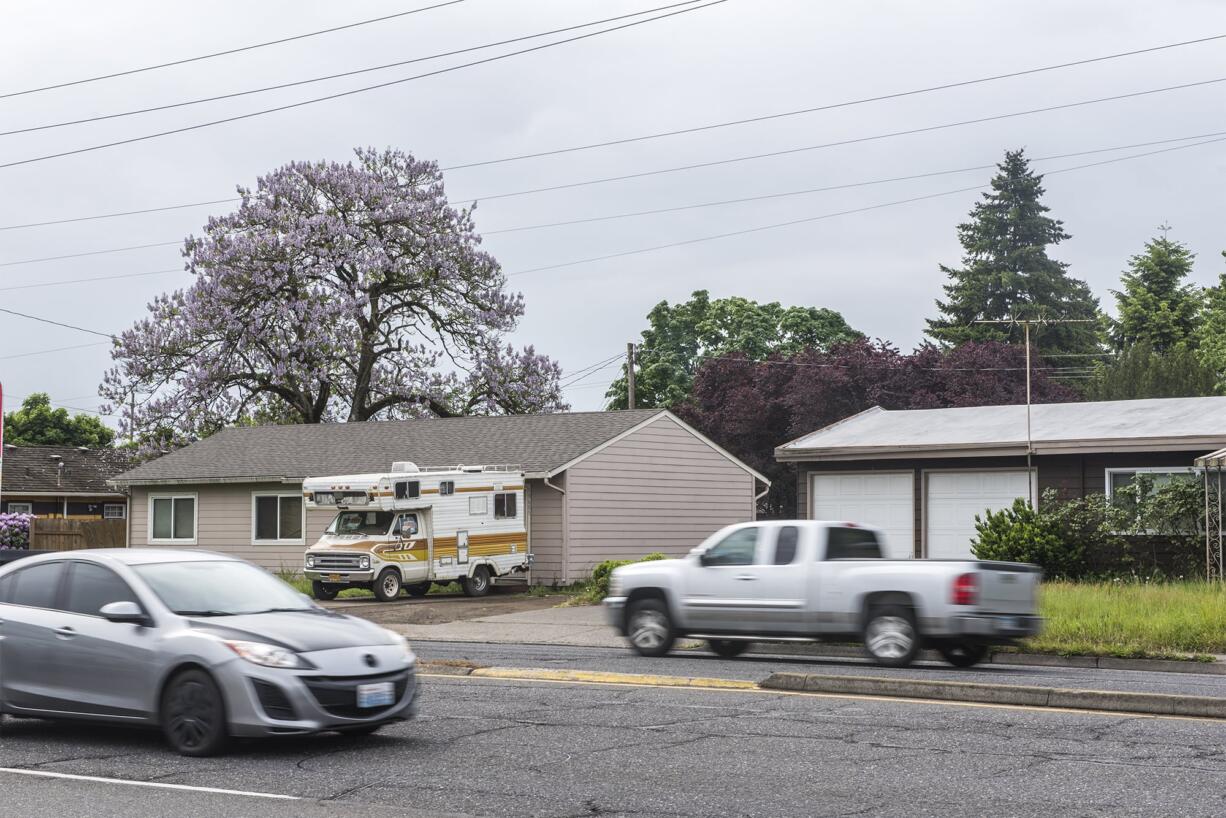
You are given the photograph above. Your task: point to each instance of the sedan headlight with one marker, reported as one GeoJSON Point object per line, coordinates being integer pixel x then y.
{"type": "Point", "coordinates": [259, 653]}
{"type": "Point", "coordinates": [399, 639]}
{"type": "Point", "coordinates": [310, 561]}
{"type": "Point", "coordinates": [364, 562]}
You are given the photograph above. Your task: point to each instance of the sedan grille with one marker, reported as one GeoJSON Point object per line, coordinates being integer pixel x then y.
{"type": "Point", "coordinates": [274, 701]}
{"type": "Point", "coordinates": [336, 562]}
{"type": "Point", "coordinates": [339, 694]}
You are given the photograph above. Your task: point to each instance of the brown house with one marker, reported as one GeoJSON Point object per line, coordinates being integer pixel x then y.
{"type": "Point", "coordinates": [63, 482]}
{"type": "Point", "coordinates": [599, 485]}
{"type": "Point", "coordinates": [923, 475]}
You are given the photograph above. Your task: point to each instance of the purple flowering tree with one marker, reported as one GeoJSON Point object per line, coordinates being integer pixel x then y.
{"type": "Point", "coordinates": [15, 531]}
{"type": "Point", "coordinates": [334, 292]}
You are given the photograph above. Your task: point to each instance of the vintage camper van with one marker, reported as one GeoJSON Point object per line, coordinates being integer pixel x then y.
{"type": "Point", "coordinates": [411, 527]}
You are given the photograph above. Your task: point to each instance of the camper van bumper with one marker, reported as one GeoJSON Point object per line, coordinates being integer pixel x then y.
{"type": "Point", "coordinates": [338, 577]}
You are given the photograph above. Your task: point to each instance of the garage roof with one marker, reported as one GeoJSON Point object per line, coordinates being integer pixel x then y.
{"type": "Point", "coordinates": [1161, 424]}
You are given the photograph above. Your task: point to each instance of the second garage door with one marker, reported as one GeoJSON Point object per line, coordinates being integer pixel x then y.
{"type": "Point", "coordinates": [955, 497]}
{"type": "Point", "coordinates": [885, 500]}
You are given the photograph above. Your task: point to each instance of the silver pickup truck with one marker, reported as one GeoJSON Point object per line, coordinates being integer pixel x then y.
{"type": "Point", "coordinates": [808, 581]}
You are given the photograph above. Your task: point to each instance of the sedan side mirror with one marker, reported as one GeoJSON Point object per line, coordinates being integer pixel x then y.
{"type": "Point", "coordinates": [124, 612]}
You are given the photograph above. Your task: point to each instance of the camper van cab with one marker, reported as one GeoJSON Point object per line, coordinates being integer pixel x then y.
{"type": "Point", "coordinates": [411, 527]}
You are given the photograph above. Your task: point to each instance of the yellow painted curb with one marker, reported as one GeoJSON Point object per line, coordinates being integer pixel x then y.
{"type": "Point", "coordinates": [598, 677]}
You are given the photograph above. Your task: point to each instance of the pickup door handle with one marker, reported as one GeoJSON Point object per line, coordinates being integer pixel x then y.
{"type": "Point", "coordinates": [65, 633]}
{"type": "Point", "coordinates": [746, 577]}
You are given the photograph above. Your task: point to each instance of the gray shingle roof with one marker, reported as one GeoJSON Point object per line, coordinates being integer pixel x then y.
{"type": "Point", "coordinates": [538, 443]}
{"type": "Point", "coordinates": [1132, 424]}
{"type": "Point", "coordinates": [35, 469]}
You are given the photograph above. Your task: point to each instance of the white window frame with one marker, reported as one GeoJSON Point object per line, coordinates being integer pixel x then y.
{"type": "Point", "coordinates": [195, 498]}
{"type": "Point", "coordinates": [123, 511]}
{"type": "Point", "coordinates": [28, 508]}
{"type": "Point", "coordinates": [278, 494]}
{"type": "Point", "coordinates": [1189, 470]}
{"type": "Point", "coordinates": [483, 500]}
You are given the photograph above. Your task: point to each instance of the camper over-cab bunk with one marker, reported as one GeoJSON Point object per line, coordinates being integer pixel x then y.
{"type": "Point", "coordinates": [412, 527]}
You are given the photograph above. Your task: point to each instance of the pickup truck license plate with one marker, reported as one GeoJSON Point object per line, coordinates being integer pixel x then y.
{"type": "Point", "coordinates": [379, 694]}
{"type": "Point", "coordinates": [335, 578]}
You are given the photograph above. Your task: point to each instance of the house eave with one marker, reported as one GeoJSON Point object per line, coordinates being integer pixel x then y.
{"type": "Point", "coordinates": [1001, 449]}
{"type": "Point", "coordinates": [10, 493]}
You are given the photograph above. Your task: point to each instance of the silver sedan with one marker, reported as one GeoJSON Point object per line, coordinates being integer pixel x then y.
{"type": "Point", "coordinates": [204, 646]}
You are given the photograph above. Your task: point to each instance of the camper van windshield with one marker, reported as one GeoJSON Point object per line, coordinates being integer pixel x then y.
{"type": "Point", "coordinates": [374, 523]}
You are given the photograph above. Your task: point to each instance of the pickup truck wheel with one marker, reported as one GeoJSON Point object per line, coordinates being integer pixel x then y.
{"type": "Point", "coordinates": [387, 586]}
{"type": "Point", "coordinates": [963, 654]}
{"type": "Point", "coordinates": [649, 629]}
{"type": "Point", "coordinates": [890, 637]}
{"type": "Point", "coordinates": [323, 590]}
{"type": "Point", "coordinates": [728, 648]}
{"type": "Point", "coordinates": [478, 584]}
{"type": "Point", "coordinates": [418, 589]}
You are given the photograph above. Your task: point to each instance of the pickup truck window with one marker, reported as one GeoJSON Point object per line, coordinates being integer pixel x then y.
{"type": "Point", "coordinates": [785, 544]}
{"type": "Point", "coordinates": [736, 549]}
{"type": "Point", "coordinates": [852, 544]}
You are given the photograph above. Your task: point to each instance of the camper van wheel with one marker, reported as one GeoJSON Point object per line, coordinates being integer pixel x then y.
{"type": "Point", "coordinates": [324, 591]}
{"type": "Point", "coordinates": [419, 589]}
{"type": "Point", "coordinates": [478, 584]}
{"type": "Point", "coordinates": [387, 586]}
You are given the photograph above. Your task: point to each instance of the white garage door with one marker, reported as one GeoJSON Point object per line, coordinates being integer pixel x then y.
{"type": "Point", "coordinates": [885, 500]}
{"type": "Point", "coordinates": [955, 497]}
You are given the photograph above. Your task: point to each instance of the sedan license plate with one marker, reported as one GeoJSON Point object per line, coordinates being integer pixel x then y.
{"type": "Point", "coordinates": [335, 578]}
{"type": "Point", "coordinates": [380, 694]}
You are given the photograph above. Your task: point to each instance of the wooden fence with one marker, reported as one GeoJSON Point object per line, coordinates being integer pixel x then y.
{"type": "Point", "coordinates": [50, 534]}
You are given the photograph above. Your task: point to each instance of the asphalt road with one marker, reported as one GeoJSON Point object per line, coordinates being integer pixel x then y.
{"type": "Point", "coordinates": [496, 747]}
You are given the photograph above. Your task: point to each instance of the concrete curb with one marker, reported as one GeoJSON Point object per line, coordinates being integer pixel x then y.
{"type": "Point", "coordinates": [1155, 704]}
{"type": "Point", "coordinates": [599, 677]}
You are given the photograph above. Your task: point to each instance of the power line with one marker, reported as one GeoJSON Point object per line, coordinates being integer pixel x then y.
{"type": "Point", "coordinates": [579, 374]}
{"type": "Point", "coordinates": [186, 60]}
{"type": "Point", "coordinates": [121, 213]}
{"type": "Point", "coordinates": [89, 253]}
{"type": "Point", "coordinates": [590, 374]}
{"type": "Point", "coordinates": [807, 219]}
{"type": "Point", "coordinates": [89, 280]}
{"type": "Point", "coordinates": [351, 92]}
{"type": "Point", "coordinates": [841, 142]}
{"type": "Point", "coordinates": [57, 349]}
{"type": "Point", "coordinates": [297, 83]}
{"type": "Point", "coordinates": [56, 323]}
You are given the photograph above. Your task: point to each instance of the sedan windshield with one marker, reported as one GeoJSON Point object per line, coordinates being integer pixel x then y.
{"type": "Point", "coordinates": [371, 523]}
{"type": "Point", "coordinates": [222, 588]}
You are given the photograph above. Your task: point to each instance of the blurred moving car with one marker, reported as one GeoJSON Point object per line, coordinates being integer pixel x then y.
{"type": "Point", "coordinates": [812, 581]}
{"type": "Point", "coordinates": [204, 646]}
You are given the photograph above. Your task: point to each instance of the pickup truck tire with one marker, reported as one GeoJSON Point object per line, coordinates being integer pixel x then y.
{"type": "Point", "coordinates": [418, 589]}
{"type": "Point", "coordinates": [387, 586]}
{"type": "Point", "coordinates": [962, 654]}
{"type": "Point", "coordinates": [890, 636]}
{"type": "Point", "coordinates": [324, 590]}
{"type": "Point", "coordinates": [728, 648]}
{"type": "Point", "coordinates": [478, 584]}
{"type": "Point", "coordinates": [649, 628]}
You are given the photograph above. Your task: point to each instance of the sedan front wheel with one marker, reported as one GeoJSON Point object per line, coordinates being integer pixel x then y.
{"type": "Point", "coordinates": [193, 715]}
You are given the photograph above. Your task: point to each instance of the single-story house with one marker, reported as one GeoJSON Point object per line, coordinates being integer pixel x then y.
{"type": "Point", "coordinates": [63, 482]}
{"type": "Point", "coordinates": [599, 485]}
{"type": "Point", "coordinates": [923, 475]}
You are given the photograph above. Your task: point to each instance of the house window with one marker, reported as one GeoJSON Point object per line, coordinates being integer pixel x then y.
{"type": "Point", "coordinates": [446, 488]}
{"type": "Point", "coordinates": [504, 506]}
{"type": "Point", "coordinates": [408, 489]}
{"type": "Point", "coordinates": [478, 505]}
{"type": "Point", "coordinates": [172, 519]}
{"type": "Point", "coordinates": [114, 511]}
{"type": "Point", "coordinates": [277, 518]}
{"type": "Point", "coordinates": [1118, 479]}
{"type": "Point", "coordinates": [21, 508]}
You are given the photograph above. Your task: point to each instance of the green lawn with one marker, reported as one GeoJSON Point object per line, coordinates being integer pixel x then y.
{"type": "Point", "coordinates": [1132, 619]}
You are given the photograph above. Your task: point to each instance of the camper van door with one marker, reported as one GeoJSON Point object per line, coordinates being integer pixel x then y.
{"type": "Point", "coordinates": [411, 532]}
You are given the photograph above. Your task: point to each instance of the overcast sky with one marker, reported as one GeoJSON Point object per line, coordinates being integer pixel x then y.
{"type": "Point", "coordinates": [738, 59]}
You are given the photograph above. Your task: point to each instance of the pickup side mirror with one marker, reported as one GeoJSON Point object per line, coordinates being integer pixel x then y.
{"type": "Point", "coordinates": [124, 612]}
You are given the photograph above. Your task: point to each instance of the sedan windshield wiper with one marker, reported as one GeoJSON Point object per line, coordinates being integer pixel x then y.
{"type": "Point", "coordinates": [206, 613]}
{"type": "Point", "coordinates": [288, 610]}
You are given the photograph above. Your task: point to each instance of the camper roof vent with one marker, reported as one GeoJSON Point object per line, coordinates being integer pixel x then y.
{"type": "Point", "coordinates": [405, 467]}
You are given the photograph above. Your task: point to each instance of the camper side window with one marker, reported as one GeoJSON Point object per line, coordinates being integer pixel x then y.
{"type": "Point", "coordinates": [446, 487]}
{"type": "Point", "coordinates": [504, 506]}
{"type": "Point", "coordinates": [408, 490]}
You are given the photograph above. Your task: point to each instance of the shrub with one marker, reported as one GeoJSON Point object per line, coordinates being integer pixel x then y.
{"type": "Point", "coordinates": [598, 583]}
{"type": "Point", "coordinates": [15, 531]}
{"type": "Point", "coordinates": [1021, 534]}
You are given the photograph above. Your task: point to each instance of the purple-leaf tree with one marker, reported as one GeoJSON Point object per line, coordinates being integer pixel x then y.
{"type": "Point", "coordinates": [334, 292]}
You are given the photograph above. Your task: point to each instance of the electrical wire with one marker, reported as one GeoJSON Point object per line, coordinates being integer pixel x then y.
{"type": "Point", "coordinates": [89, 253]}
{"type": "Point", "coordinates": [186, 60]}
{"type": "Point", "coordinates": [351, 92]}
{"type": "Point", "coordinates": [56, 323]}
{"type": "Point", "coordinates": [48, 351]}
{"type": "Point", "coordinates": [42, 284]}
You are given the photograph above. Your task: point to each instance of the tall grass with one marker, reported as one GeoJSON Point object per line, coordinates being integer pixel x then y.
{"type": "Point", "coordinates": [1132, 618]}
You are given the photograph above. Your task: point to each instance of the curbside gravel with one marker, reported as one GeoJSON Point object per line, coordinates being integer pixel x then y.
{"type": "Point", "coordinates": [1155, 704]}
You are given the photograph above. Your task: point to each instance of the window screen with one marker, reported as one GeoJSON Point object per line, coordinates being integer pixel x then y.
{"type": "Point", "coordinates": [785, 544]}
{"type": "Point", "coordinates": [852, 544]}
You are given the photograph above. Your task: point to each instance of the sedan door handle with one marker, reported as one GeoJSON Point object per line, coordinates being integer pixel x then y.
{"type": "Point", "coordinates": [746, 577]}
{"type": "Point", "coordinates": [65, 632]}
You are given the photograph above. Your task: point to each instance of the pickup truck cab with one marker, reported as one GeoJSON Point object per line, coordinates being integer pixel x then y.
{"type": "Point", "coordinates": [809, 581]}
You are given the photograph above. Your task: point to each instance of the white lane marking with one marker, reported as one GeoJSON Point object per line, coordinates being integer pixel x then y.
{"type": "Point", "coordinates": [155, 784]}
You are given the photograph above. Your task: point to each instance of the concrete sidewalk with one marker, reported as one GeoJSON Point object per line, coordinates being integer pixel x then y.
{"type": "Point", "coordinates": [580, 626]}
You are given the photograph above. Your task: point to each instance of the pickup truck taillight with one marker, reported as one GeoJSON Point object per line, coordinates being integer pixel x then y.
{"type": "Point", "coordinates": [966, 590]}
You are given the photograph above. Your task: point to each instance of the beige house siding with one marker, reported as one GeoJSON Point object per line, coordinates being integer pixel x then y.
{"type": "Point", "coordinates": [660, 488]}
{"type": "Point", "coordinates": [545, 535]}
{"type": "Point", "coordinates": [224, 521]}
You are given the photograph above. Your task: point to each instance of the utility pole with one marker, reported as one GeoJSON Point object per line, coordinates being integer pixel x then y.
{"type": "Point", "coordinates": [1025, 324]}
{"type": "Point", "coordinates": [630, 375]}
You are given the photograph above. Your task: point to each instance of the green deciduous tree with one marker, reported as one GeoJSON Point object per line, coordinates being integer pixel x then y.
{"type": "Point", "coordinates": [37, 424]}
{"type": "Point", "coordinates": [1006, 271]}
{"type": "Point", "coordinates": [680, 337]}
{"type": "Point", "coordinates": [1210, 335]}
{"type": "Point", "coordinates": [1157, 305]}
{"type": "Point", "coordinates": [1141, 372]}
